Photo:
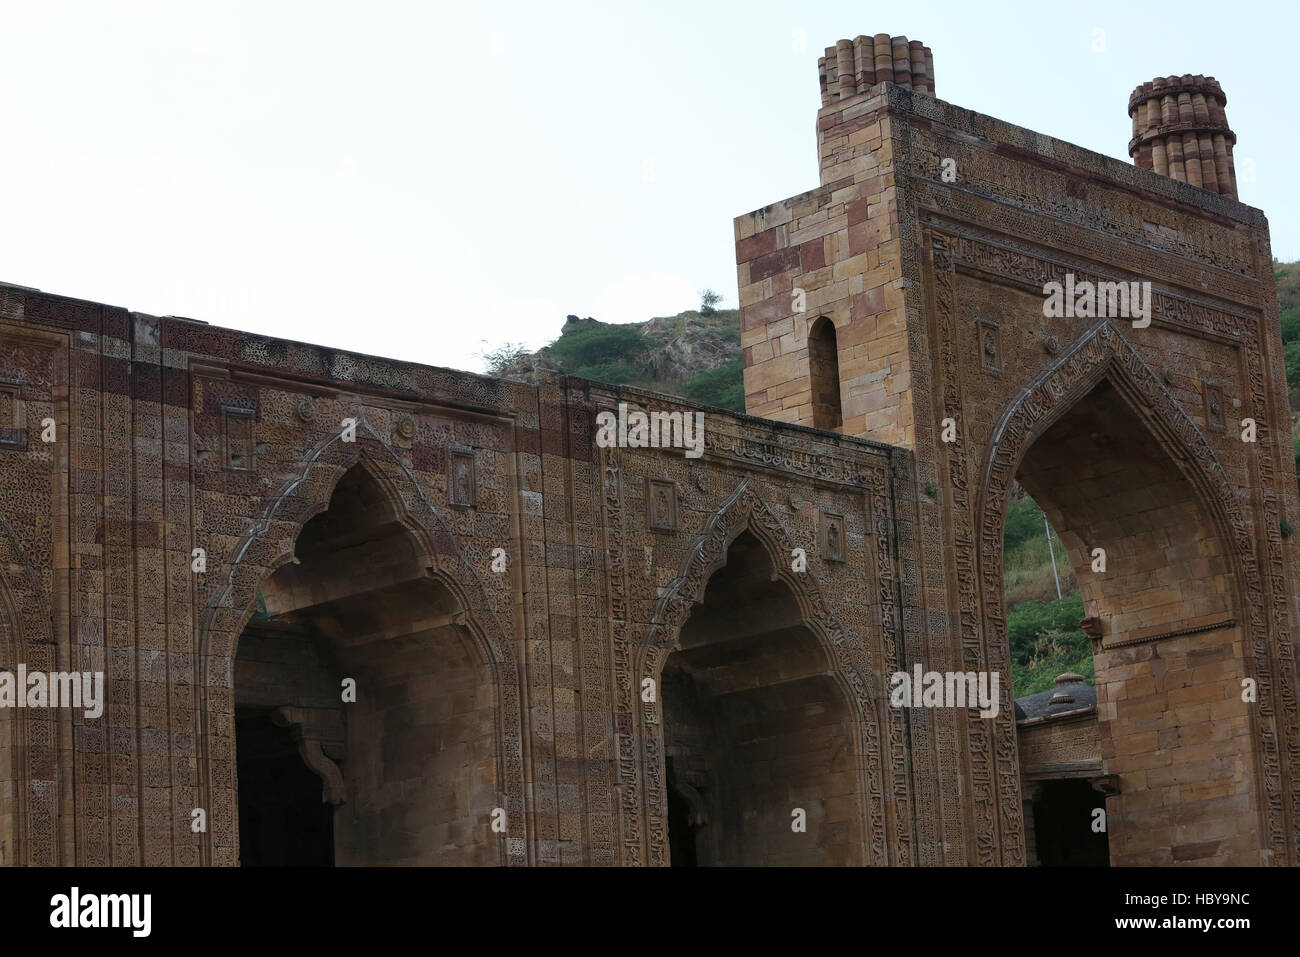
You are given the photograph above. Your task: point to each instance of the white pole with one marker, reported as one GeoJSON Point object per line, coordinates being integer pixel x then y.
{"type": "Point", "coordinates": [1052, 552]}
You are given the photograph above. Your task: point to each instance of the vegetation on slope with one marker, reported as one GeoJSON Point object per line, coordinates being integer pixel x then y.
{"type": "Point", "coordinates": [1042, 629]}
{"type": "Point", "coordinates": [694, 354]}
{"type": "Point", "coordinates": [1287, 277]}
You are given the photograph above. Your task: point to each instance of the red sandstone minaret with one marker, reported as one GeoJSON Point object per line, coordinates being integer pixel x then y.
{"type": "Point", "coordinates": [1180, 130]}
{"type": "Point", "coordinates": [855, 66]}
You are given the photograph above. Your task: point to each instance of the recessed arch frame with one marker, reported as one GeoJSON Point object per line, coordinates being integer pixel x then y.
{"type": "Point", "coordinates": [269, 545]}
{"type": "Point", "coordinates": [846, 654]}
{"type": "Point", "coordinates": [1104, 354]}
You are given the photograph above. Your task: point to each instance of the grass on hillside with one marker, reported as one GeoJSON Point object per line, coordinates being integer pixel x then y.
{"type": "Point", "coordinates": [1027, 570]}
{"type": "Point", "coordinates": [1042, 630]}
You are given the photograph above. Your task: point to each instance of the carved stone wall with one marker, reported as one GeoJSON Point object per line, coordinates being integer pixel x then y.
{"type": "Point", "coordinates": [931, 243]}
{"type": "Point", "coordinates": [1060, 748]}
{"type": "Point", "coordinates": [570, 567]}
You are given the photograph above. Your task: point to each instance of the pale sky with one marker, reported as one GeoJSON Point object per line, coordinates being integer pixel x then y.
{"type": "Point", "coordinates": [409, 179]}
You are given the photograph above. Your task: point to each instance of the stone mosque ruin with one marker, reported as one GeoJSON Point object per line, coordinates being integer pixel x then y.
{"type": "Point", "coordinates": [358, 610]}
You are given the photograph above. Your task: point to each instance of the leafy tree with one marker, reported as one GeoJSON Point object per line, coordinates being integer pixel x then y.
{"type": "Point", "coordinates": [709, 301]}
{"type": "Point", "coordinates": [497, 360]}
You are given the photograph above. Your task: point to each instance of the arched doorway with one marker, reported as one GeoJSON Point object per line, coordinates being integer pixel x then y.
{"type": "Point", "coordinates": [1065, 825]}
{"type": "Point", "coordinates": [1157, 587]}
{"type": "Point", "coordinates": [360, 685]}
{"type": "Point", "coordinates": [761, 758]}
{"type": "Point", "coordinates": [1140, 503]}
{"type": "Point", "coordinates": [1105, 481]}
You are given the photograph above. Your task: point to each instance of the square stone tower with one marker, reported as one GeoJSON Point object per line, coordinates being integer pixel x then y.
{"type": "Point", "coordinates": [834, 253]}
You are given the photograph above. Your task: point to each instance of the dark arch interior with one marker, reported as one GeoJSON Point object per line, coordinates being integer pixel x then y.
{"type": "Point", "coordinates": [415, 750]}
{"type": "Point", "coordinates": [282, 820]}
{"type": "Point", "coordinates": [755, 727]}
{"type": "Point", "coordinates": [1066, 825]}
{"type": "Point", "coordinates": [824, 371]}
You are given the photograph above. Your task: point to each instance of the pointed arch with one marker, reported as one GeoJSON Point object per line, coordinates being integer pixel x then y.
{"type": "Point", "coordinates": [745, 511]}
{"type": "Point", "coordinates": [1105, 354]}
{"type": "Point", "coordinates": [270, 544]}
{"type": "Point", "coordinates": [846, 653]}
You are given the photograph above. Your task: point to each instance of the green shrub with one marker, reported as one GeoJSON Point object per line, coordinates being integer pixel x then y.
{"type": "Point", "coordinates": [1026, 680]}
{"type": "Point", "coordinates": [723, 387]}
{"type": "Point", "coordinates": [1291, 324]}
{"type": "Point", "coordinates": [596, 346]}
{"type": "Point", "coordinates": [1029, 620]}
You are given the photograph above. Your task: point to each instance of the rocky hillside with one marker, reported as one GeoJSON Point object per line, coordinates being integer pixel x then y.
{"type": "Point", "coordinates": [693, 354]}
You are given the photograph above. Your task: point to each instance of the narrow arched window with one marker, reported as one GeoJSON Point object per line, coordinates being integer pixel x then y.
{"type": "Point", "coordinates": [824, 372]}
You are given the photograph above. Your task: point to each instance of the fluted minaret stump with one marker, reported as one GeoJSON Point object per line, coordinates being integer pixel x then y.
{"type": "Point", "coordinates": [1180, 130]}
{"type": "Point", "coordinates": [856, 66]}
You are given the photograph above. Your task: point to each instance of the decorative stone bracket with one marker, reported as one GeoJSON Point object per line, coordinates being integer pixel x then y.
{"type": "Point", "coordinates": [1106, 784]}
{"type": "Point", "coordinates": [318, 733]}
